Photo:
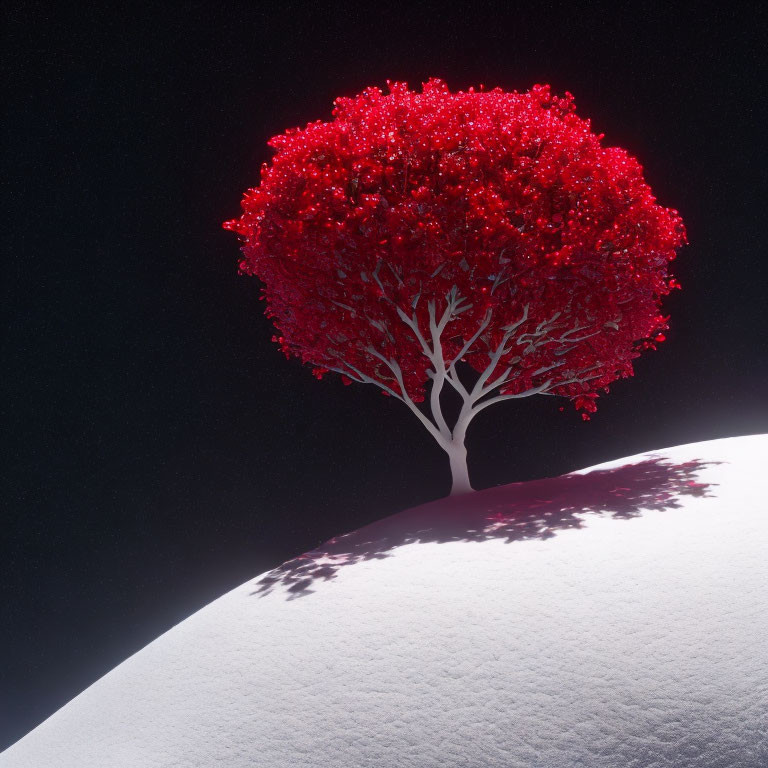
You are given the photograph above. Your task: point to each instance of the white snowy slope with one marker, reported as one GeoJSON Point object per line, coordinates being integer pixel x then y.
{"type": "Point", "coordinates": [616, 617]}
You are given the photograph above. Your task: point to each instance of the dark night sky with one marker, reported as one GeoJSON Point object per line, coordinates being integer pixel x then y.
{"type": "Point", "coordinates": [160, 449]}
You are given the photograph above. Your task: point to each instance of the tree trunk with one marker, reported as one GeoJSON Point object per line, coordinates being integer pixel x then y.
{"type": "Point", "coordinates": [457, 453]}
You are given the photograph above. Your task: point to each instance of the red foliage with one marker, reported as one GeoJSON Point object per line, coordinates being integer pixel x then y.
{"type": "Point", "coordinates": [508, 196]}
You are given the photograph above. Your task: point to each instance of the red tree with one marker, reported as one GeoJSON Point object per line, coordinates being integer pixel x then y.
{"type": "Point", "coordinates": [416, 231]}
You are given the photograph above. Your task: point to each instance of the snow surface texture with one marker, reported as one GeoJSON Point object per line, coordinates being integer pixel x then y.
{"type": "Point", "coordinates": [610, 618]}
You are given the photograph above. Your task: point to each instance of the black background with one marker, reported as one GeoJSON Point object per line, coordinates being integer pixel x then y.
{"type": "Point", "coordinates": [160, 448]}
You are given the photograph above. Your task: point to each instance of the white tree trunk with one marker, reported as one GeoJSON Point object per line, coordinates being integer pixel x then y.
{"type": "Point", "coordinates": [481, 394]}
{"type": "Point", "coordinates": [457, 453]}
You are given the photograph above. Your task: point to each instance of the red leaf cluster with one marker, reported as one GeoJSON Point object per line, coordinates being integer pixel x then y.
{"type": "Point", "coordinates": [508, 196]}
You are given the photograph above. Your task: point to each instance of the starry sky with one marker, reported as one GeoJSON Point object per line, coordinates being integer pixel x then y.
{"type": "Point", "coordinates": [159, 449]}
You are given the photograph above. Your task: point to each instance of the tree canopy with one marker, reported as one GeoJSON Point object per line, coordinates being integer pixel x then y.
{"type": "Point", "coordinates": [418, 230]}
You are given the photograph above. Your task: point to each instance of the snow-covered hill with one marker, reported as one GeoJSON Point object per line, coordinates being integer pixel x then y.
{"type": "Point", "coordinates": [615, 617]}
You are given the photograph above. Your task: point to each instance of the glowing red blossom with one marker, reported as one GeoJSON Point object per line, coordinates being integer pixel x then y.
{"type": "Point", "coordinates": [417, 230]}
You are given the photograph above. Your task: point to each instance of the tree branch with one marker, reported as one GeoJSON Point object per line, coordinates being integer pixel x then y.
{"type": "Point", "coordinates": [496, 356]}
{"type": "Point", "coordinates": [361, 378]}
{"type": "Point", "coordinates": [439, 367]}
{"type": "Point", "coordinates": [468, 345]}
{"type": "Point", "coordinates": [528, 392]}
{"type": "Point", "coordinates": [452, 375]}
{"type": "Point", "coordinates": [581, 379]}
{"type": "Point", "coordinates": [506, 379]}
{"type": "Point", "coordinates": [412, 323]}
{"type": "Point", "coordinates": [434, 431]}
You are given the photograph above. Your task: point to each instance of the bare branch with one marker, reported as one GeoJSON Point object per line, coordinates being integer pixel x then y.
{"type": "Point", "coordinates": [412, 323]}
{"type": "Point", "coordinates": [434, 431]}
{"type": "Point", "coordinates": [505, 271]}
{"type": "Point", "coordinates": [452, 374]}
{"type": "Point", "coordinates": [564, 339]}
{"type": "Point", "coordinates": [361, 378]}
{"type": "Point", "coordinates": [468, 345]}
{"type": "Point", "coordinates": [496, 356]}
{"type": "Point", "coordinates": [542, 329]}
{"type": "Point", "coordinates": [397, 276]}
{"type": "Point", "coordinates": [575, 330]}
{"type": "Point", "coordinates": [580, 338]}
{"type": "Point", "coordinates": [547, 368]}
{"type": "Point", "coordinates": [375, 274]}
{"type": "Point", "coordinates": [528, 392]}
{"type": "Point", "coordinates": [439, 368]}
{"type": "Point", "coordinates": [438, 270]}
{"type": "Point", "coordinates": [343, 306]}
{"type": "Point", "coordinates": [381, 357]}
{"type": "Point", "coordinates": [437, 329]}
{"type": "Point", "coordinates": [581, 379]}
{"type": "Point", "coordinates": [453, 379]}
{"type": "Point", "coordinates": [505, 378]}
{"type": "Point", "coordinates": [541, 336]}
{"type": "Point", "coordinates": [512, 327]}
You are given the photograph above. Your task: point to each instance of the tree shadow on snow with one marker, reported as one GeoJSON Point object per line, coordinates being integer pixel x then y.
{"type": "Point", "coordinates": [514, 512]}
